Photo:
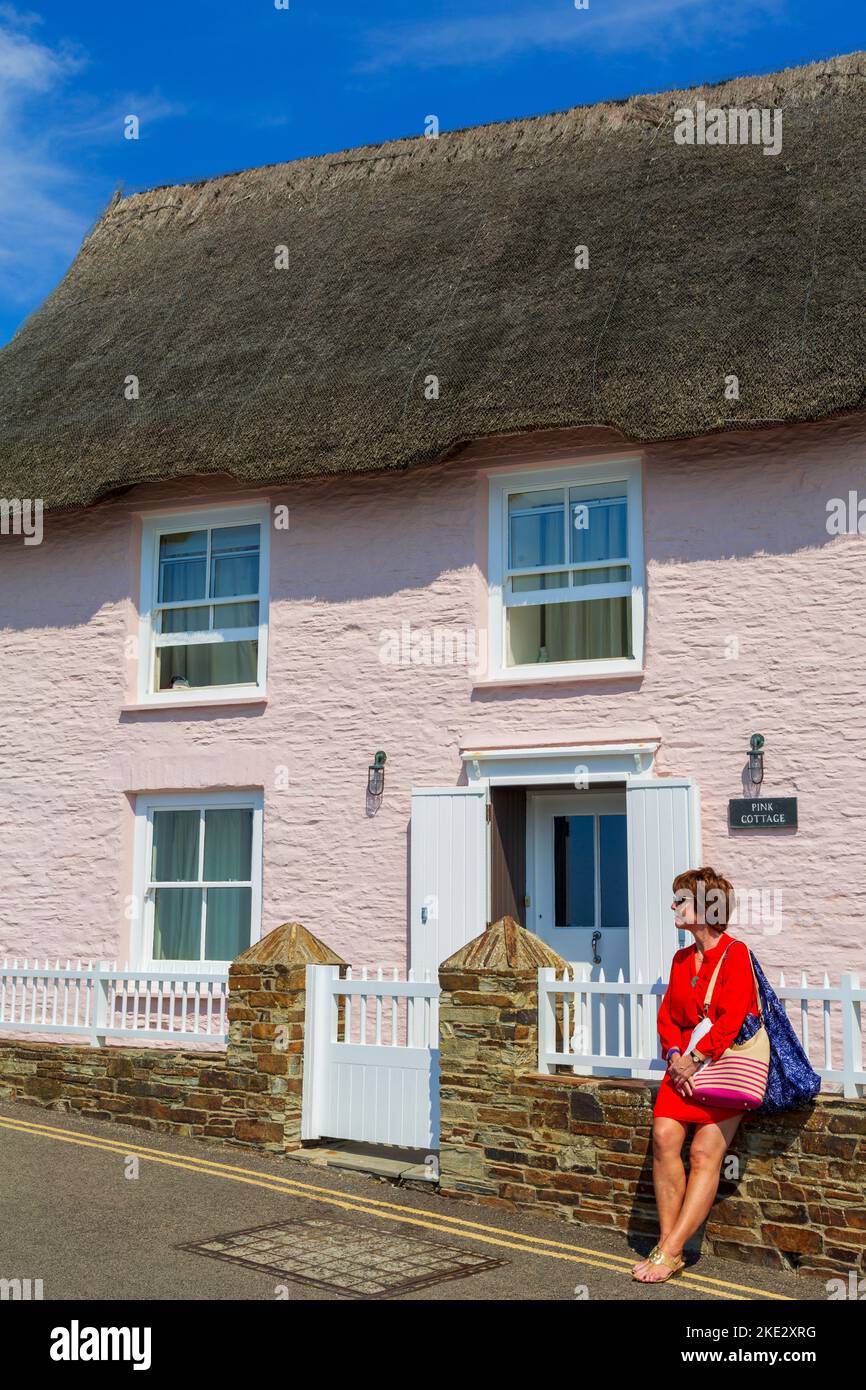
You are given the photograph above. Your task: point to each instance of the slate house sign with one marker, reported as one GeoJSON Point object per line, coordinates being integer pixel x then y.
{"type": "Point", "coordinates": [761, 813]}
{"type": "Point", "coordinates": [778, 812]}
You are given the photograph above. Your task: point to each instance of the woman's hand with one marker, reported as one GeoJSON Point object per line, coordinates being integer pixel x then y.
{"type": "Point", "coordinates": [681, 1070]}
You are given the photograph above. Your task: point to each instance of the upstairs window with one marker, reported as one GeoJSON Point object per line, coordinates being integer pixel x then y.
{"type": "Point", "coordinates": [566, 572]}
{"type": "Point", "coordinates": [204, 604]}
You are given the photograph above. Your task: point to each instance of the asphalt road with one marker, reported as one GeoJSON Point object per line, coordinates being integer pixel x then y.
{"type": "Point", "coordinates": [102, 1211]}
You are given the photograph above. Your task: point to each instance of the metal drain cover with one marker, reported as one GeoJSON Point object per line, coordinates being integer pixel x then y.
{"type": "Point", "coordinates": [356, 1261]}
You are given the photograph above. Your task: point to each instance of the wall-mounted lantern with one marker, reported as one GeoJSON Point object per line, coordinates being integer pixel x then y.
{"type": "Point", "coordinates": [376, 775]}
{"type": "Point", "coordinates": [756, 759]}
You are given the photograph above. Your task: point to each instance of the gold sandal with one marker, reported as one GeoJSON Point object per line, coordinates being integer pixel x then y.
{"type": "Point", "coordinates": [643, 1259]}
{"type": "Point", "coordinates": [658, 1257]}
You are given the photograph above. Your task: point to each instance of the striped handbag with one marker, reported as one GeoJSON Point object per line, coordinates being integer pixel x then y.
{"type": "Point", "coordinates": [739, 1077]}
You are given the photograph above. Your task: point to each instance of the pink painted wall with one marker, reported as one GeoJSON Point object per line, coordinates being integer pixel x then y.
{"type": "Point", "coordinates": [737, 550]}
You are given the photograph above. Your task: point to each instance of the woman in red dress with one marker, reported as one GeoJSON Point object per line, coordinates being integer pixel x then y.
{"type": "Point", "coordinates": [703, 902]}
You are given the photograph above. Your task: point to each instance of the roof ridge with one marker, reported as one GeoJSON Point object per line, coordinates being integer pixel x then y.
{"type": "Point", "coordinates": [408, 146]}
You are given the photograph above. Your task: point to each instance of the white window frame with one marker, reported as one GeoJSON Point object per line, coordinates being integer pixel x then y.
{"type": "Point", "coordinates": [159, 524]}
{"type": "Point", "coordinates": [141, 944]}
{"type": "Point", "coordinates": [626, 470]}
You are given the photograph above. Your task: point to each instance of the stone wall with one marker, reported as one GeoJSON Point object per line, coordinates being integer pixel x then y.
{"type": "Point", "coordinates": [574, 1147]}
{"type": "Point", "coordinates": [250, 1094]}
{"type": "Point", "coordinates": [581, 1148]}
{"type": "Point", "coordinates": [151, 1088]}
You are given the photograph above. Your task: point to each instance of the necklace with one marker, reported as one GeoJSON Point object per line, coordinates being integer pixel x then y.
{"type": "Point", "coordinates": [695, 977]}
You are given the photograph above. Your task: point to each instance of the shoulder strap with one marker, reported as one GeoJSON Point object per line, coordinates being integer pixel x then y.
{"type": "Point", "coordinates": [714, 977]}
{"type": "Point", "coordinates": [711, 985]}
{"type": "Point", "coordinates": [755, 983]}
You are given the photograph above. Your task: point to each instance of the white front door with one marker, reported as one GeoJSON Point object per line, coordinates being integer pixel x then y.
{"type": "Point", "coordinates": [580, 861]}
{"type": "Point", "coordinates": [580, 903]}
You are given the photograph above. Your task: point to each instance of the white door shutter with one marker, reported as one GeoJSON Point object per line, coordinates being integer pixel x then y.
{"type": "Point", "coordinates": [449, 859]}
{"type": "Point", "coordinates": [663, 820]}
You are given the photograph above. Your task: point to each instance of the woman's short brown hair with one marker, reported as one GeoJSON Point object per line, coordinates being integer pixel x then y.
{"type": "Point", "coordinates": [713, 895]}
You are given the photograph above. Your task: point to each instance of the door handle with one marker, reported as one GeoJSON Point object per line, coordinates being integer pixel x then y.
{"type": "Point", "coordinates": [596, 958]}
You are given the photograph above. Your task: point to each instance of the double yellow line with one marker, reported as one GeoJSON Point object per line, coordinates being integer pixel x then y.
{"type": "Point", "coordinates": [440, 1222]}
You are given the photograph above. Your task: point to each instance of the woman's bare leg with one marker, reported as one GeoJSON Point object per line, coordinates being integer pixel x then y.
{"type": "Point", "coordinates": [709, 1147]}
{"type": "Point", "coordinates": [669, 1174]}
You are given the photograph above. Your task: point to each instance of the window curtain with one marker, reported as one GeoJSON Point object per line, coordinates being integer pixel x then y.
{"type": "Point", "coordinates": [606, 536]}
{"type": "Point", "coordinates": [234, 574]}
{"type": "Point", "coordinates": [175, 846]}
{"type": "Point", "coordinates": [183, 576]}
{"type": "Point", "coordinates": [177, 911]}
{"type": "Point", "coordinates": [182, 579]}
{"type": "Point", "coordinates": [537, 540]}
{"type": "Point", "coordinates": [228, 845]}
{"type": "Point", "coordinates": [228, 922]}
{"type": "Point", "coordinates": [177, 920]}
{"type": "Point", "coordinates": [588, 631]}
{"type": "Point", "coordinates": [182, 566]}
{"type": "Point", "coordinates": [177, 924]}
{"type": "Point", "coordinates": [210, 663]}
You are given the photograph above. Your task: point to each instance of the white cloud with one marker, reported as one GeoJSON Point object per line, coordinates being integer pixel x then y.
{"type": "Point", "coordinates": [48, 198]}
{"type": "Point", "coordinates": [501, 32]}
{"type": "Point", "coordinates": [104, 125]}
{"type": "Point", "coordinates": [38, 227]}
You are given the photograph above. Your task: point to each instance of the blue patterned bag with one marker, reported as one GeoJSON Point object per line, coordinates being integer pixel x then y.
{"type": "Point", "coordinates": [791, 1080]}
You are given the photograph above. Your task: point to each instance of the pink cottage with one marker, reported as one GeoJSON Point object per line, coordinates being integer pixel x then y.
{"type": "Point", "coordinates": [532, 458]}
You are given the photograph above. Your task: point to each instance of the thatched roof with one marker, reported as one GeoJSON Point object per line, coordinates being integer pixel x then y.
{"type": "Point", "coordinates": [455, 258]}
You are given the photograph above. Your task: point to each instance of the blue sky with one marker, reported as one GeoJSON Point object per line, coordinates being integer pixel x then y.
{"type": "Point", "coordinates": [226, 84]}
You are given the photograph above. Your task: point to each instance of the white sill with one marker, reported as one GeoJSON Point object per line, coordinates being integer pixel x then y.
{"type": "Point", "coordinates": [195, 702]}
{"type": "Point", "coordinates": [203, 968]}
{"type": "Point", "coordinates": [558, 678]}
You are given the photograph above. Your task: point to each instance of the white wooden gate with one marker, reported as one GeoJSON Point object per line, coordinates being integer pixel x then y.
{"type": "Point", "coordinates": [371, 1059]}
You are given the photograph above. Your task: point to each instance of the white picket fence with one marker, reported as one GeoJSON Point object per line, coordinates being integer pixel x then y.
{"type": "Point", "coordinates": [98, 1001]}
{"type": "Point", "coordinates": [371, 1058]}
{"type": "Point", "coordinates": [577, 1015]}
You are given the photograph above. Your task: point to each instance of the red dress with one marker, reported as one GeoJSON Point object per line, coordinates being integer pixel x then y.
{"type": "Point", "coordinates": [680, 1011]}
